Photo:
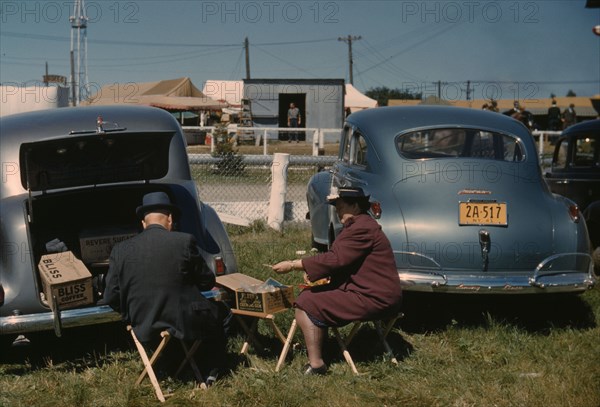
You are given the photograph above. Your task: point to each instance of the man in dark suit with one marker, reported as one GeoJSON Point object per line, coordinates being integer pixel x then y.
{"type": "Point", "coordinates": [155, 281]}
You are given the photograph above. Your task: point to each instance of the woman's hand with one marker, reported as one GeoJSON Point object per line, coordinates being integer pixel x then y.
{"type": "Point", "coordinates": [306, 280]}
{"type": "Point", "coordinates": [287, 265]}
{"type": "Point", "coordinates": [283, 267]}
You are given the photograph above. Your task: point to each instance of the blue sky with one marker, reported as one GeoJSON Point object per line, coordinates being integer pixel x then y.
{"type": "Point", "coordinates": [507, 49]}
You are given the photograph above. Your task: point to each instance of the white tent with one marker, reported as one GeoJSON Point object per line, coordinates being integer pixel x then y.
{"type": "Point", "coordinates": [354, 100]}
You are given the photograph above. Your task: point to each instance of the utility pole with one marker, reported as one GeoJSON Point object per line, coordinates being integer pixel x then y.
{"type": "Point", "coordinates": [247, 48]}
{"type": "Point", "coordinates": [439, 88]}
{"type": "Point", "coordinates": [348, 40]}
{"type": "Point", "coordinates": [468, 90]}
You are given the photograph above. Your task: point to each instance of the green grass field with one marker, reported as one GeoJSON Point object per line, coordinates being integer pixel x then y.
{"type": "Point", "coordinates": [453, 351]}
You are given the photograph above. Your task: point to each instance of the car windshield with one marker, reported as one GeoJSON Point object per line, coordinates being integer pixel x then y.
{"type": "Point", "coordinates": [453, 142]}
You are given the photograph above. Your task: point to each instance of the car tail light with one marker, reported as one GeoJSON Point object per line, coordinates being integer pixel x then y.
{"type": "Point", "coordinates": [219, 266]}
{"type": "Point", "coordinates": [376, 209]}
{"type": "Point", "coordinates": [574, 213]}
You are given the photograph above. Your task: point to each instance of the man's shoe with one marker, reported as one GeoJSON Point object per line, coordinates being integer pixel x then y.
{"type": "Point", "coordinates": [307, 369]}
{"type": "Point", "coordinates": [212, 377]}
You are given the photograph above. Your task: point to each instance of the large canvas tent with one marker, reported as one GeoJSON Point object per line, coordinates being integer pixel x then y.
{"type": "Point", "coordinates": [171, 94]}
{"type": "Point", "coordinates": [355, 100]}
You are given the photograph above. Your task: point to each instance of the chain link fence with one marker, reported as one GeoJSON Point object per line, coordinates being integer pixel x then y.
{"type": "Point", "coordinates": [238, 185]}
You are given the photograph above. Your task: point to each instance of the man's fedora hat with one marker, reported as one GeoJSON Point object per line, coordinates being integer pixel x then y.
{"type": "Point", "coordinates": [156, 202]}
{"type": "Point", "coordinates": [346, 193]}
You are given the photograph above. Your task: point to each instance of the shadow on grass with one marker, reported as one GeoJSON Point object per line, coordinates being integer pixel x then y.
{"type": "Point", "coordinates": [82, 348]}
{"type": "Point", "coordinates": [426, 312]}
{"type": "Point", "coordinates": [76, 350]}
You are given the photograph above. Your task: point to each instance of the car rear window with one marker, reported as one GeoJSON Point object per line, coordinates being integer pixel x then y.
{"type": "Point", "coordinates": [453, 142]}
{"type": "Point", "coordinates": [94, 159]}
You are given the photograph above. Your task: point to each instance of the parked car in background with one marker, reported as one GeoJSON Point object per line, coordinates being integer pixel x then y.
{"type": "Point", "coordinates": [575, 173]}
{"type": "Point", "coordinates": [460, 195]}
{"type": "Point", "coordinates": [71, 180]}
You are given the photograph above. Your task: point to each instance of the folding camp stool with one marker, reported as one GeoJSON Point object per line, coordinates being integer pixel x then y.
{"type": "Point", "coordinates": [382, 331]}
{"type": "Point", "coordinates": [250, 331]}
{"type": "Point", "coordinates": [149, 362]}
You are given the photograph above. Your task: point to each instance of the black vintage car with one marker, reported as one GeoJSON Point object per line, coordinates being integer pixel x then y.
{"type": "Point", "coordinates": [575, 173]}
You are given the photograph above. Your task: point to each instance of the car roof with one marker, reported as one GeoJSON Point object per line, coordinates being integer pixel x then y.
{"type": "Point", "coordinates": [382, 124]}
{"type": "Point", "coordinates": [397, 119]}
{"type": "Point", "coordinates": [46, 124]}
{"type": "Point", "coordinates": [586, 126]}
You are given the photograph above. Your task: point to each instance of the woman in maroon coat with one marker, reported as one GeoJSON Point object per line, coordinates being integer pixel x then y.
{"type": "Point", "coordinates": [363, 278]}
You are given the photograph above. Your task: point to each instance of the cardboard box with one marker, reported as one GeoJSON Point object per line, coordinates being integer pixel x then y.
{"type": "Point", "coordinates": [96, 244]}
{"type": "Point", "coordinates": [65, 276]}
{"type": "Point", "coordinates": [254, 295]}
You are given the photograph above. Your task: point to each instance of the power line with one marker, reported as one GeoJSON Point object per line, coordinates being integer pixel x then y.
{"type": "Point", "coordinates": [155, 44]}
{"type": "Point", "coordinates": [436, 34]}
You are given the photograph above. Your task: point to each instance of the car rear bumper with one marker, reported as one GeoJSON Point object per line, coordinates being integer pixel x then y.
{"type": "Point", "coordinates": [45, 321]}
{"type": "Point", "coordinates": [544, 279]}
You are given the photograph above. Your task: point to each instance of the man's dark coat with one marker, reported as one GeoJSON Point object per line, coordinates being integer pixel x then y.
{"type": "Point", "coordinates": [155, 281]}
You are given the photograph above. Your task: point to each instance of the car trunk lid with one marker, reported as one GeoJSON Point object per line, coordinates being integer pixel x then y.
{"type": "Point", "coordinates": [436, 228]}
{"type": "Point", "coordinates": [94, 159]}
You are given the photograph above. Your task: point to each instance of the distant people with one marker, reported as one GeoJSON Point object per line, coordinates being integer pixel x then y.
{"type": "Point", "coordinates": [554, 120]}
{"type": "Point", "coordinates": [493, 106]}
{"type": "Point", "coordinates": [519, 113]}
{"type": "Point", "coordinates": [294, 119]}
{"type": "Point", "coordinates": [569, 116]}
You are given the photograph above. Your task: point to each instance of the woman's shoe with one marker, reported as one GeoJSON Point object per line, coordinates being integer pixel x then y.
{"type": "Point", "coordinates": [307, 369]}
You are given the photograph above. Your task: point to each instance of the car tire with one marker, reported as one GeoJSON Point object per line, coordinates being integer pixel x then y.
{"type": "Point", "coordinates": [321, 248]}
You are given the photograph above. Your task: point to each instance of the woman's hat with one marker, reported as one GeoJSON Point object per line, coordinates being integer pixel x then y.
{"type": "Point", "coordinates": [155, 202]}
{"type": "Point", "coordinates": [346, 193]}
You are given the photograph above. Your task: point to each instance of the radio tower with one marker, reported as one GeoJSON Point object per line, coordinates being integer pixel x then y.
{"type": "Point", "coordinates": [79, 78]}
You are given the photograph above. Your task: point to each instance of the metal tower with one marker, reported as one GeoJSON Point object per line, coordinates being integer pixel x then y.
{"type": "Point", "coordinates": [79, 78]}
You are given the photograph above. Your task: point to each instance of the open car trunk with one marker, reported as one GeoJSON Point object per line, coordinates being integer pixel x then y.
{"type": "Point", "coordinates": [87, 223]}
{"type": "Point", "coordinates": [84, 188]}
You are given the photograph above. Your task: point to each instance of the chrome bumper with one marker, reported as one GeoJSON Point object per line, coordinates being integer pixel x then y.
{"type": "Point", "coordinates": [426, 282]}
{"type": "Point", "coordinates": [544, 279]}
{"type": "Point", "coordinates": [45, 321]}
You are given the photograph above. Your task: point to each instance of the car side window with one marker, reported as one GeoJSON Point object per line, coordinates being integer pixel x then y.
{"type": "Point", "coordinates": [584, 152]}
{"type": "Point", "coordinates": [560, 155]}
{"type": "Point", "coordinates": [345, 146]}
{"type": "Point", "coordinates": [359, 150]}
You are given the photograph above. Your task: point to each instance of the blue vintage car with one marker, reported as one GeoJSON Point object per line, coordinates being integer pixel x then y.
{"type": "Point", "coordinates": [460, 195]}
{"type": "Point", "coordinates": [72, 179]}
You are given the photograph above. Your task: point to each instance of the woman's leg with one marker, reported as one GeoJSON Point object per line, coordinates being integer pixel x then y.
{"type": "Point", "coordinates": [313, 337]}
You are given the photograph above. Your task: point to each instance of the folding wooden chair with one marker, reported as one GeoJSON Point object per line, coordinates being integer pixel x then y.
{"type": "Point", "coordinates": [149, 362]}
{"type": "Point", "coordinates": [383, 326]}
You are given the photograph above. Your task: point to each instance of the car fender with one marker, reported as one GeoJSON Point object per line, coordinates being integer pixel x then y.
{"type": "Point", "coordinates": [319, 186]}
{"type": "Point", "coordinates": [17, 268]}
{"type": "Point", "coordinates": [214, 231]}
{"type": "Point", "coordinates": [569, 235]}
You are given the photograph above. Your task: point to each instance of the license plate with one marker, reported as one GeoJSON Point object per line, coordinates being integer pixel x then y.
{"type": "Point", "coordinates": [482, 213]}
